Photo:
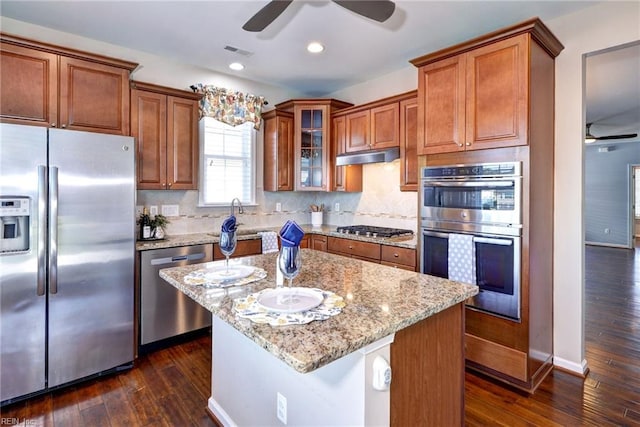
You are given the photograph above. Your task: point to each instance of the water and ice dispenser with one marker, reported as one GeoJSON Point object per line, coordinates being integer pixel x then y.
{"type": "Point", "coordinates": [14, 224]}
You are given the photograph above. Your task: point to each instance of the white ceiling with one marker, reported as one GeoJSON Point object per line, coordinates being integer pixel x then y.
{"type": "Point", "coordinates": [357, 49]}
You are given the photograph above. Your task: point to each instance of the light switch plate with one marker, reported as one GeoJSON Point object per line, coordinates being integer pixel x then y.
{"type": "Point", "coordinates": [171, 210]}
{"type": "Point", "coordinates": [153, 210]}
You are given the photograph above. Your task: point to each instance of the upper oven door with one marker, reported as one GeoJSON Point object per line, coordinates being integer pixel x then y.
{"type": "Point", "coordinates": [475, 200]}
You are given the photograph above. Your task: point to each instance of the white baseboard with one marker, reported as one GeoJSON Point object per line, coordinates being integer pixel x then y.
{"type": "Point", "coordinates": [220, 413]}
{"type": "Point", "coordinates": [580, 369]}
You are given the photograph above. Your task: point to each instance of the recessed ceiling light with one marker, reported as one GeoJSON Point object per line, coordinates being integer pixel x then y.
{"type": "Point", "coordinates": [236, 66]}
{"type": "Point", "coordinates": [315, 47]}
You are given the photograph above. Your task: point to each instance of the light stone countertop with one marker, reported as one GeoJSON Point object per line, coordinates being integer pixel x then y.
{"type": "Point", "coordinates": [379, 301]}
{"type": "Point", "coordinates": [409, 242]}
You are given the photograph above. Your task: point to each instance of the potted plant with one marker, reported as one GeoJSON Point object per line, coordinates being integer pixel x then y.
{"type": "Point", "coordinates": [158, 226]}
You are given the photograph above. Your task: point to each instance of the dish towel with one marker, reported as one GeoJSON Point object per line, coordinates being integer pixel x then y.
{"type": "Point", "coordinates": [269, 241]}
{"type": "Point", "coordinates": [462, 258]}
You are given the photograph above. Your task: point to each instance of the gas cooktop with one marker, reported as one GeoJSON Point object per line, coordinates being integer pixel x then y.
{"type": "Point", "coordinates": [372, 231]}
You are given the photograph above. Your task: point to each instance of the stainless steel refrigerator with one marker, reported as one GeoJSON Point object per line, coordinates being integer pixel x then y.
{"type": "Point", "coordinates": [67, 236]}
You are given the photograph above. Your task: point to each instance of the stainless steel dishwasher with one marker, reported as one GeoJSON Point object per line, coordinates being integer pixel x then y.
{"type": "Point", "coordinates": [166, 312]}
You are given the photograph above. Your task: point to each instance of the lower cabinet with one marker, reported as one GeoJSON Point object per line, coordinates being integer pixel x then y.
{"type": "Point", "coordinates": [318, 242]}
{"type": "Point", "coordinates": [392, 256]}
{"type": "Point", "coordinates": [243, 248]}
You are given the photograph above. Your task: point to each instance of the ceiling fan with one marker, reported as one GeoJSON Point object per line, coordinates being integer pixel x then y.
{"type": "Point", "coordinates": [378, 10]}
{"type": "Point", "coordinates": [589, 138]}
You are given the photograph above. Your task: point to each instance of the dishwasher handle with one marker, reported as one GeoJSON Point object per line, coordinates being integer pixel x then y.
{"type": "Point", "coordinates": [178, 258]}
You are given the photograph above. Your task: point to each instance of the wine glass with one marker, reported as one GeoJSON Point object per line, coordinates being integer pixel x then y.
{"type": "Point", "coordinates": [228, 241]}
{"type": "Point", "coordinates": [290, 263]}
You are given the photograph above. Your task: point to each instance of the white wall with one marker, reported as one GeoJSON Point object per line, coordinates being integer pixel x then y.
{"type": "Point", "coordinates": [609, 24]}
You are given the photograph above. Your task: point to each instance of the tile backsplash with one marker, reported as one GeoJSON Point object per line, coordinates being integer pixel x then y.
{"type": "Point", "coordinates": [381, 203]}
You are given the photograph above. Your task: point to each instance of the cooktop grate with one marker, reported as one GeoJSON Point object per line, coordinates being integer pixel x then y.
{"type": "Point", "coordinates": [373, 231]}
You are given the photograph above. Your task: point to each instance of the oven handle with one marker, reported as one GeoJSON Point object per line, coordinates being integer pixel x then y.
{"type": "Point", "coordinates": [488, 240]}
{"type": "Point", "coordinates": [469, 184]}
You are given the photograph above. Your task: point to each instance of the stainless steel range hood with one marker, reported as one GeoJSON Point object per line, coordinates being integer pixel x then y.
{"type": "Point", "coordinates": [371, 156]}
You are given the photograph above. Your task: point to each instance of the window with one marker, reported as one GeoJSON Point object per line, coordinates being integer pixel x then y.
{"type": "Point", "coordinates": [227, 161]}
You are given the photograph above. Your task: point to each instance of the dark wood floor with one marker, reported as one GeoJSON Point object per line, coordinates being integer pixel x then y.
{"type": "Point", "coordinates": [170, 387]}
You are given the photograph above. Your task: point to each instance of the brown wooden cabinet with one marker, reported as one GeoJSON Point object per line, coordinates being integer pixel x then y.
{"type": "Point", "coordinates": [318, 242]}
{"type": "Point", "coordinates": [477, 95]}
{"type": "Point", "coordinates": [409, 169]}
{"type": "Point", "coordinates": [395, 256]}
{"type": "Point", "coordinates": [311, 141]}
{"type": "Point", "coordinates": [278, 151]}
{"type": "Point", "coordinates": [243, 248]}
{"type": "Point", "coordinates": [165, 125]}
{"type": "Point", "coordinates": [344, 178]}
{"type": "Point", "coordinates": [507, 78]}
{"type": "Point", "coordinates": [367, 251]}
{"type": "Point", "coordinates": [46, 85]}
{"type": "Point", "coordinates": [373, 128]}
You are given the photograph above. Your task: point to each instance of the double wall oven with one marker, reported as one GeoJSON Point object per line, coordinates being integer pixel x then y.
{"type": "Point", "coordinates": [471, 219]}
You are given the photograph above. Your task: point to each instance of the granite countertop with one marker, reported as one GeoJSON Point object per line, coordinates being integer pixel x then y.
{"type": "Point", "coordinates": [379, 301]}
{"type": "Point", "coordinates": [409, 242]}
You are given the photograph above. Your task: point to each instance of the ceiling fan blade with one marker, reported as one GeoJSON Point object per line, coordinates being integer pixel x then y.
{"type": "Point", "coordinates": [623, 136]}
{"type": "Point", "coordinates": [378, 10]}
{"type": "Point", "coordinates": [266, 15]}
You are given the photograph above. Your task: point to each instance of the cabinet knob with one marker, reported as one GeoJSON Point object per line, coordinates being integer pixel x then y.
{"type": "Point", "coordinates": [396, 255]}
{"type": "Point", "coordinates": [53, 125]}
{"type": "Point", "coordinates": [169, 184]}
{"type": "Point", "coordinates": [350, 247]}
{"type": "Point", "coordinates": [468, 144]}
{"type": "Point", "coordinates": [460, 144]}
{"type": "Point", "coordinates": [63, 126]}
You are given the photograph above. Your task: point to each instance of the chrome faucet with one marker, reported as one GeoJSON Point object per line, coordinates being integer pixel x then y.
{"type": "Point", "coordinates": [240, 208]}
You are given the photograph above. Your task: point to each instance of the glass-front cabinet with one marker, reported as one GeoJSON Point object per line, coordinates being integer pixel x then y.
{"type": "Point", "coordinates": [311, 147]}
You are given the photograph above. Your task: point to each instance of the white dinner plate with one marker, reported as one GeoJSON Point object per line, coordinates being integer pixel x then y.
{"type": "Point", "coordinates": [290, 300]}
{"type": "Point", "coordinates": [235, 272]}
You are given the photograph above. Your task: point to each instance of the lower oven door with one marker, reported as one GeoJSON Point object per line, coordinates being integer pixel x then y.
{"type": "Point", "coordinates": [497, 268]}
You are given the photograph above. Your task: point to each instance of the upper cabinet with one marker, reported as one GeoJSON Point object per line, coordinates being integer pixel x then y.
{"type": "Point", "coordinates": [373, 128]}
{"type": "Point", "coordinates": [46, 85]}
{"type": "Point", "coordinates": [477, 95]}
{"type": "Point", "coordinates": [310, 159]}
{"type": "Point", "coordinates": [344, 178]}
{"type": "Point", "coordinates": [409, 169]}
{"type": "Point", "coordinates": [278, 151]}
{"type": "Point", "coordinates": [165, 124]}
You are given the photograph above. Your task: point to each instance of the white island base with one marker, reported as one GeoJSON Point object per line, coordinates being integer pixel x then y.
{"type": "Point", "coordinates": [246, 381]}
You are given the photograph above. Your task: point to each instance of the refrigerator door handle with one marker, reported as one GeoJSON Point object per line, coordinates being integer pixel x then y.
{"type": "Point", "coordinates": [42, 230]}
{"type": "Point", "coordinates": [53, 230]}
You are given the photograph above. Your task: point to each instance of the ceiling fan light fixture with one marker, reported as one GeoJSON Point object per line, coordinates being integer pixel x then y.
{"type": "Point", "coordinates": [236, 66]}
{"type": "Point", "coordinates": [315, 47]}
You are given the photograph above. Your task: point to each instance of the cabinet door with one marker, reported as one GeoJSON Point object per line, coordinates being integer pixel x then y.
{"type": "Point", "coordinates": [278, 153]}
{"type": "Point", "coordinates": [358, 131]}
{"type": "Point", "coordinates": [28, 86]}
{"type": "Point", "coordinates": [149, 128]}
{"type": "Point", "coordinates": [318, 242]}
{"type": "Point", "coordinates": [385, 126]}
{"type": "Point", "coordinates": [93, 97]}
{"type": "Point", "coordinates": [345, 178]}
{"type": "Point", "coordinates": [311, 147]}
{"type": "Point", "coordinates": [441, 106]}
{"type": "Point", "coordinates": [409, 145]}
{"type": "Point", "coordinates": [497, 95]}
{"type": "Point", "coordinates": [285, 153]}
{"type": "Point", "coordinates": [182, 143]}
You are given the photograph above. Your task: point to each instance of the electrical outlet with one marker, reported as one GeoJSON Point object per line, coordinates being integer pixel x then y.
{"type": "Point", "coordinates": [607, 231]}
{"type": "Point", "coordinates": [281, 408]}
{"type": "Point", "coordinates": [170, 210]}
{"type": "Point", "coordinates": [336, 207]}
{"type": "Point", "coordinates": [153, 210]}
{"type": "Point", "coordinates": [278, 207]}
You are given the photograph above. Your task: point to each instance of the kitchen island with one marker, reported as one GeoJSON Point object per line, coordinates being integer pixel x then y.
{"type": "Point", "coordinates": [324, 369]}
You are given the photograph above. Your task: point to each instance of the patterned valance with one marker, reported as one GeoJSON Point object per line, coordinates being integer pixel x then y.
{"type": "Point", "coordinates": [227, 106]}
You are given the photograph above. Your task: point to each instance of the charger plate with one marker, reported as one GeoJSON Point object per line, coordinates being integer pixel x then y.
{"type": "Point", "coordinates": [251, 308]}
